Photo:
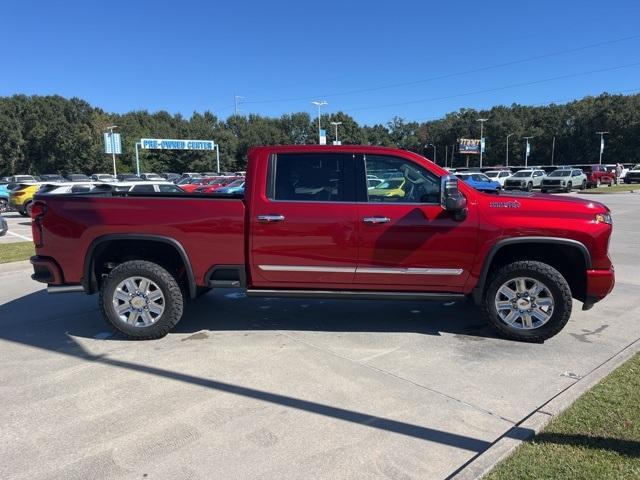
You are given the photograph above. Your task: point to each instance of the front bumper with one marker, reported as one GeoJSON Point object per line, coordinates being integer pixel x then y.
{"type": "Point", "coordinates": [599, 285]}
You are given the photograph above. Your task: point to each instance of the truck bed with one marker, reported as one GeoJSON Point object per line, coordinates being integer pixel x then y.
{"type": "Point", "coordinates": [209, 228]}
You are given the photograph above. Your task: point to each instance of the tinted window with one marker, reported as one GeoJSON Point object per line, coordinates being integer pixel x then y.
{"type": "Point", "coordinates": [405, 181]}
{"type": "Point", "coordinates": [312, 177]}
{"type": "Point", "coordinates": [169, 189]}
{"type": "Point", "coordinates": [143, 188]}
{"type": "Point", "coordinates": [80, 189]}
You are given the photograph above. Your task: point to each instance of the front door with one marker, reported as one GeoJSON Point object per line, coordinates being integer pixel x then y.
{"type": "Point", "coordinates": [303, 231]}
{"type": "Point", "coordinates": [406, 238]}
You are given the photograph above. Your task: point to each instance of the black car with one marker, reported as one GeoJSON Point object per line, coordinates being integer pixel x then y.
{"type": "Point", "coordinates": [633, 175]}
{"type": "Point", "coordinates": [77, 177]}
{"type": "Point", "coordinates": [127, 177]}
{"type": "Point", "coordinates": [170, 177]}
{"type": "Point", "coordinates": [103, 177]}
{"type": "Point", "coordinates": [51, 177]}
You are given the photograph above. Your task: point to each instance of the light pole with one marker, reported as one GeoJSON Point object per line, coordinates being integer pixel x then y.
{"type": "Point", "coordinates": [137, 159]}
{"type": "Point", "coordinates": [453, 147]}
{"type": "Point", "coordinates": [113, 147]}
{"type": "Point", "coordinates": [481, 120]}
{"type": "Point", "coordinates": [215, 145]}
{"type": "Point", "coordinates": [446, 155]}
{"type": "Point", "coordinates": [526, 151]}
{"type": "Point", "coordinates": [435, 153]}
{"type": "Point", "coordinates": [335, 124]}
{"type": "Point", "coordinates": [319, 104]}
{"type": "Point", "coordinates": [553, 149]}
{"type": "Point", "coordinates": [602, 134]}
{"type": "Point", "coordinates": [508, 148]}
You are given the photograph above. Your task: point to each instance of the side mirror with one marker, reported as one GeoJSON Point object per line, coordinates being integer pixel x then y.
{"type": "Point", "coordinates": [451, 200]}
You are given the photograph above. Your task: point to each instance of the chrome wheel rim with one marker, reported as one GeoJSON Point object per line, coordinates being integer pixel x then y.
{"type": "Point", "coordinates": [138, 301]}
{"type": "Point", "coordinates": [524, 303]}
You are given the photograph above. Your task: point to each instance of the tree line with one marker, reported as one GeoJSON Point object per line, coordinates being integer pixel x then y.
{"type": "Point", "coordinates": [52, 134]}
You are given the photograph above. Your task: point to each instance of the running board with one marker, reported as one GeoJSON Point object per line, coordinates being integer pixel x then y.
{"type": "Point", "coordinates": [65, 289]}
{"type": "Point", "coordinates": [355, 294]}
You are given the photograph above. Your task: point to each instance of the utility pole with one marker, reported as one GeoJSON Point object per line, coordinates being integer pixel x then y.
{"type": "Point", "coordinates": [236, 103]}
{"type": "Point", "coordinates": [453, 147]}
{"type": "Point", "coordinates": [602, 134]}
{"type": "Point", "coordinates": [507, 163]}
{"type": "Point", "coordinates": [553, 149]}
{"type": "Point", "coordinates": [319, 104]}
{"type": "Point", "coordinates": [435, 153]}
{"type": "Point", "coordinates": [446, 155]}
{"type": "Point", "coordinates": [481, 120]}
{"type": "Point", "coordinates": [526, 151]}
{"type": "Point", "coordinates": [138, 144]}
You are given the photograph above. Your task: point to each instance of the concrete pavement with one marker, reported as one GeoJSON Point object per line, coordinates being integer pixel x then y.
{"type": "Point", "coordinates": [19, 228]}
{"type": "Point", "coordinates": [274, 388]}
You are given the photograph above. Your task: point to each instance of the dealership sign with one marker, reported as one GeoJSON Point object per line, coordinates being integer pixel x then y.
{"type": "Point", "coordinates": [173, 144]}
{"type": "Point", "coordinates": [469, 146]}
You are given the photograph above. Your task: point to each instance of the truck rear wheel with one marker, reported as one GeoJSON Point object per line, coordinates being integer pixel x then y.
{"type": "Point", "coordinates": [141, 300]}
{"type": "Point", "coordinates": [527, 301]}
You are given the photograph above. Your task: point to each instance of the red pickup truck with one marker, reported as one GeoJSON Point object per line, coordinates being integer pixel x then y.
{"type": "Point", "coordinates": [310, 224]}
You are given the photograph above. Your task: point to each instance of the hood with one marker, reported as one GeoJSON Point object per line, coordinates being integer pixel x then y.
{"type": "Point", "coordinates": [529, 201]}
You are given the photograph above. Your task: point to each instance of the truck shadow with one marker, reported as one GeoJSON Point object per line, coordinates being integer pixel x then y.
{"type": "Point", "coordinates": [46, 321]}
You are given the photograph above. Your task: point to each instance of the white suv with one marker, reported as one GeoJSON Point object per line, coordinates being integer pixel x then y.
{"type": "Point", "coordinates": [498, 175]}
{"type": "Point", "coordinates": [525, 180]}
{"type": "Point", "coordinates": [564, 179]}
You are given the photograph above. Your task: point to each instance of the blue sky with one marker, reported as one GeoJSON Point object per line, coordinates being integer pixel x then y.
{"type": "Point", "coordinates": [373, 60]}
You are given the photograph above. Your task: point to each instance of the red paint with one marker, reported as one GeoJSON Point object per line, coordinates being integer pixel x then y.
{"type": "Point", "coordinates": [328, 234]}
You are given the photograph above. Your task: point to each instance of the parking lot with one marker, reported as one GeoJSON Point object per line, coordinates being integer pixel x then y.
{"type": "Point", "coordinates": [19, 228]}
{"type": "Point", "coordinates": [279, 388]}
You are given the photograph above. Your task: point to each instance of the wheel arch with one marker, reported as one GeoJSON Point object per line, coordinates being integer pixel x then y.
{"type": "Point", "coordinates": [101, 244]}
{"type": "Point", "coordinates": [503, 250]}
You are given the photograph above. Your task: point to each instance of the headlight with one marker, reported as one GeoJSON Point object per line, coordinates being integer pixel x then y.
{"type": "Point", "coordinates": [604, 218]}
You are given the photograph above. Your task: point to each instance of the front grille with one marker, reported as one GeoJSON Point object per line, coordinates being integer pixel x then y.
{"type": "Point", "coordinates": [513, 183]}
{"type": "Point", "coordinates": [551, 182]}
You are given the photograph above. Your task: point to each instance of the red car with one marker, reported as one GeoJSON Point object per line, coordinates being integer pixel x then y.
{"type": "Point", "coordinates": [217, 185]}
{"type": "Point", "coordinates": [198, 183]}
{"type": "Point", "coordinates": [598, 175]}
{"type": "Point", "coordinates": [309, 226]}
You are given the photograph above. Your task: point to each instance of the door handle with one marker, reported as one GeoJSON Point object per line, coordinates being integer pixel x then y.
{"type": "Point", "coordinates": [271, 218]}
{"type": "Point", "coordinates": [376, 220]}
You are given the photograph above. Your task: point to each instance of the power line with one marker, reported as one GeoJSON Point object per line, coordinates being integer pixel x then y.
{"type": "Point", "coordinates": [496, 89]}
{"type": "Point", "coordinates": [450, 75]}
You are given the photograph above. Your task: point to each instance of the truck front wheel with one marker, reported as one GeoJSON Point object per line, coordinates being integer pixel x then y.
{"type": "Point", "coordinates": [527, 301]}
{"type": "Point", "coordinates": [141, 299]}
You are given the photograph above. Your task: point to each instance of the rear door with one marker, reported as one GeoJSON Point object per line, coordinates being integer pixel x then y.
{"type": "Point", "coordinates": [406, 238]}
{"type": "Point", "coordinates": [303, 230]}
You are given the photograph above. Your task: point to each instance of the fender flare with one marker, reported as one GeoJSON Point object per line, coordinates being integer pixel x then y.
{"type": "Point", "coordinates": [479, 289]}
{"type": "Point", "coordinates": [88, 259]}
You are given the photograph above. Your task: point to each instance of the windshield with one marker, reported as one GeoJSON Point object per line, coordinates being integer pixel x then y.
{"type": "Point", "coordinates": [522, 174]}
{"type": "Point", "coordinates": [560, 173]}
{"type": "Point", "coordinates": [637, 167]}
{"type": "Point", "coordinates": [492, 174]}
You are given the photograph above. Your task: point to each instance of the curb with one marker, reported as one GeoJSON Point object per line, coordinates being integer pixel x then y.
{"type": "Point", "coordinates": [12, 267]}
{"type": "Point", "coordinates": [534, 423]}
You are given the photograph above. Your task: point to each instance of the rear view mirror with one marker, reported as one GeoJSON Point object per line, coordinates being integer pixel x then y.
{"type": "Point", "coordinates": [451, 200]}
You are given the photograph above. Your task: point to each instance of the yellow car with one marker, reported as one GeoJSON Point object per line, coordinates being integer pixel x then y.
{"type": "Point", "coordinates": [21, 199]}
{"type": "Point", "coordinates": [389, 188]}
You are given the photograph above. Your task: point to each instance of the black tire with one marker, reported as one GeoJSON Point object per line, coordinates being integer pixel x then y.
{"type": "Point", "coordinates": [529, 186]}
{"type": "Point", "coordinates": [569, 187]}
{"type": "Point", "coordinates": [584, 185]}
{"type": "Point", "coordinates": [168, 285]}
{"type": "Point", "coordinates": [28, 207]}
{"type": "Point", "coordinates": [551, 278]}
{"type": "Point", "coordinates": [543, 190]}
{"type": "Point", "coordinates": [23, 212]}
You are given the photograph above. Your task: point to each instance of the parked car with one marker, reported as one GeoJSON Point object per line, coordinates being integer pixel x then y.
{"type": "Point", "coordinates": [151, 176]}
{"type": "Point", "coordinates": [69, 187]}
{"type": "Point", "coordinates": [4, 228]}
{"type": "Point", "coordinates": [4, 197]}
{"type": "Point", "coordinates": [525, 180]}
{"type": "Point", "coordinates": [20, 179]}
{"type": "Point", "coordinates": [392, 187]}
{"type": "Point", "coordinates": [77, 177]}
{"type": "Point", "coordinates": [521, 258]}
{"type": "Point", "coordinates": [633, 175]}
{"type": "Point", "coordinates": [564, 179]}
{"type": "Point", "coordinates": [236, 187]}
{"type": "Point", "coordinates": [170, 177]}
{"type": "Point", "coordinates": [146, 186]}
{"type": "Point", "coordinates": [208, 185]}
{"type": "Point", "coordinates": [51, 177]}
{"type": "Point", "coordinates": [479, 181]}
{"type": "Point", "coordinates": [21, 198]}
{"type": "Point", "coordinates": [103, 177]}
{"type": "Point", "coordinates": [598, 174]}
{"type": "Point", "coordinates": [127, 177]}
{"type": "Point", "coordinates": [191, 175]}
{"type": "Point", "coordinates": [498, 175]}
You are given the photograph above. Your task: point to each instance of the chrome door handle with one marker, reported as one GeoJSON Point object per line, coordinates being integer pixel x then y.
{"type": "Point", "coordinates": [376, 220]}
{"type": "Point", "coordinates": [271, 218]}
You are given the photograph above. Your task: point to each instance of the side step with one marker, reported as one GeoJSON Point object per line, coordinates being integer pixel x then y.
{"type": "Point", "coordinates": [355, 294]}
